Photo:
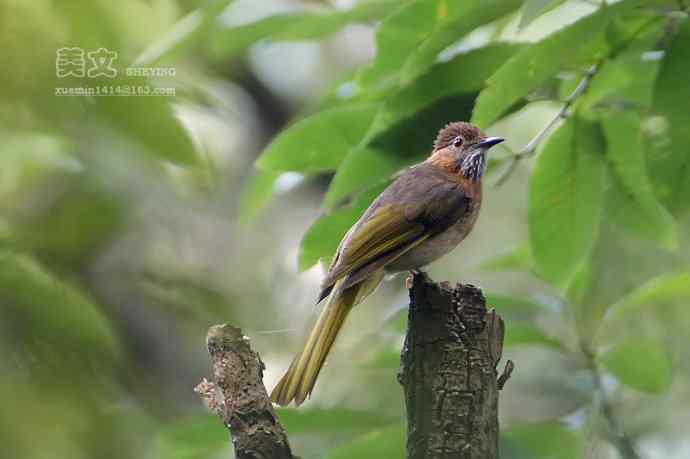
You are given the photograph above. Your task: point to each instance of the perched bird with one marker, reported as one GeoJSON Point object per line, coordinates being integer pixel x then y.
{"type": "Point", "coordinates": [418, 218]}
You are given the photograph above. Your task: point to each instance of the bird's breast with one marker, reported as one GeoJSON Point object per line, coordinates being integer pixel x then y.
{"type": "Point", "coordinates": [437, 246]}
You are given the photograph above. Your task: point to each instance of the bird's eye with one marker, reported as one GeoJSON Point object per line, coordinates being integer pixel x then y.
{"type": "Point", "coordinates": [457, 142]}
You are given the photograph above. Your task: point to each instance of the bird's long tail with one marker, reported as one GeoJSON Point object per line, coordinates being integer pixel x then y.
{"type": "Point", "coordinates": [299, 380]}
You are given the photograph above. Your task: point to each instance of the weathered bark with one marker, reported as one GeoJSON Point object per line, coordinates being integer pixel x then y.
{"type": "Point", "coordinates": [239, 397]}
{"type": "Point", "coordinates": [448, 372]}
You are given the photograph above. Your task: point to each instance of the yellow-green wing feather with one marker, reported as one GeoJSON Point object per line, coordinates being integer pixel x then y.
{"type": "Point", "coordinates": [384, 232]}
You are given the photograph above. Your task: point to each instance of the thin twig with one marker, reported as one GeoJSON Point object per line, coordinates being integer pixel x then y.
{"type": "Point", "coordinates": [621, 441]}
{"type": "Point", "coordinates": [531, 147]}
{"type": "Point", "coordinates": [505, 376]}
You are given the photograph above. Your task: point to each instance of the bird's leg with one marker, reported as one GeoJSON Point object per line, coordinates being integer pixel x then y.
{"type": "Point", "coordinates": [409, 280]}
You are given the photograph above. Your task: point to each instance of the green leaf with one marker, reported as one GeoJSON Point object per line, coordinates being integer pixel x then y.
{"type": "Point", "coordinates": [408, 40]}
{"type": "Point", "coordinates": [148, 120]}
{"type": "Point", "coordinates": [198, 437]}
{"type": "Point", "coordinates": [361, 168]}
{"type": "Point", "coordinates": [55, 309]}
{"type": "Point", "coordinates": [547, 440]}
{"type": "Point", "coordinates": [397, 35]}
{"type": "Point", "coordinates": [376, 444]}
{"type": "Point", "coordinates": [318, 143]}
{"type": "Point", "coordinates": [659, 291]}
{"type": "Point", "coordinates": [465, 73]}
{"type": "Point", "coordinates": [640, 364]}
{"type": "Point", "coordinates": [462, 18]}
{"type": "Point", "coordinates": [400, 145]}
{"type": "Point", "coordinates": [518, 259]}
{"type": "Point", "coordinates": [227, 41]}
{"type": "Point", "coordinates": [331, 420]}
{"type": "Point", "coordinates": [635, 31]}
{"type": "Point", "coordinates": [256, 194]}
{"type": "Point", "coordinates": [520, 333]}
{"type": "Point", "coordinates": [532, 67]}
{"type": "Point", "coordinates": [365, 167]}
{"type": "Point", "coordinates": [671, 98]}
{"type": "Point", "coordinates": [618, 265]}
{"type": "Point", "coordinates": [532, 9]}
{"type": "Point", "coordinates": [565, 200]}
{"type": "Point", "coordinates": [322, 239]}
{"type": "Point", "coordinates": [636, 208]}
{"type": "Point", "coordinates": [625, 83]}
{"type": "Point", "coordinates": [184, 34]}
{"type": "Point", "coordinates": [579, 284]}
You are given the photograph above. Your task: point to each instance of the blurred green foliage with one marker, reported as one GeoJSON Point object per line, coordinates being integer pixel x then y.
{"type": "Point", "coordinates": [227, 41]}
{"type": "Point", "coordinates": [104, 202]}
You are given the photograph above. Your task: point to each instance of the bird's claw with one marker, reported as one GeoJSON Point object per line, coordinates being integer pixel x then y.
{"type": "Point", "coordinates": [409, 280]}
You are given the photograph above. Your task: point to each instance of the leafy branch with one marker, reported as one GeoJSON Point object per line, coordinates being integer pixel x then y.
{"type": "Point", "coordinates": [531, 147]}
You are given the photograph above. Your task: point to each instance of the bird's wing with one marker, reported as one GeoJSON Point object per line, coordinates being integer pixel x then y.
{"type": "Point", "coordinates": [386, 231]}
{"type": "Point", "coordinates": [415, 207]}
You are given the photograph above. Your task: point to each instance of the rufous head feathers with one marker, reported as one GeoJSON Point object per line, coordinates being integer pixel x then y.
{"type": "Point", "coordinates": [460, 148]}
{"type": "Point", "coordinates": [468, 132]}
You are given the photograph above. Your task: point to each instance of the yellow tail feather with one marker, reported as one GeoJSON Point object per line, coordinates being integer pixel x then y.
{"type": "Point", "coordinates": [299, 380]}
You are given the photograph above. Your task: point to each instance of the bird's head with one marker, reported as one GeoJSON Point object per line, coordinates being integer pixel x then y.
{"type": "Point", "coordinates": [461, 148]}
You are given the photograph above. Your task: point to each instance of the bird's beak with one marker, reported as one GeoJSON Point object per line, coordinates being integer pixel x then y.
{"type": "Point", "coordinates": [489, 142]}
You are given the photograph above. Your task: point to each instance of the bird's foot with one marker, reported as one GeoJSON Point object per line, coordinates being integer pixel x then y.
{"type": "Point", "coordinates": [409, 280]}
{"type": "Point", "coordinates": [413, 274]}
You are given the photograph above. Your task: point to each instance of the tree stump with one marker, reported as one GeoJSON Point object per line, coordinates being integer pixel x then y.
{"type": "Point", "coordinates": [448, 372]}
